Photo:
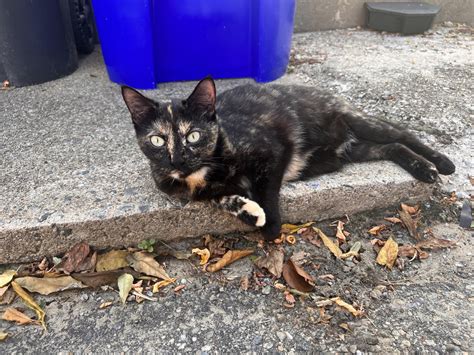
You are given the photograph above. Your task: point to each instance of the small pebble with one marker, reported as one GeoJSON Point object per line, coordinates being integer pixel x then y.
{"type": "Point", "coordinates": [266, 290]}
{"type": "Point", "coordinates": [281, 336]}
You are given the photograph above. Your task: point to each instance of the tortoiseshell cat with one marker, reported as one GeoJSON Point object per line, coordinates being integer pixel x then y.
{"type": "Point", "coordinates": [238, 148]}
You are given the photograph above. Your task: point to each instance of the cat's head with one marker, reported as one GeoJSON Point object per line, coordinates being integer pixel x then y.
{"type": "Point", "coordinates": [178, 138]}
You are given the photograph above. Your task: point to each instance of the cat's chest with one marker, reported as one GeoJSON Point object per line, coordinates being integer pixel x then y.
{"type": "Point", "coordinates": [196, 180]}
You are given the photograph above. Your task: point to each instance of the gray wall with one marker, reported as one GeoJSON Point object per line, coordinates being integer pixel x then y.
{"type": "Point", "coordinates": [315, 15]}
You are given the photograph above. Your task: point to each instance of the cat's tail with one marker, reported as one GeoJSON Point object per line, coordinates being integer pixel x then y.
{"type": "Point", "coordinates": [377, 139]}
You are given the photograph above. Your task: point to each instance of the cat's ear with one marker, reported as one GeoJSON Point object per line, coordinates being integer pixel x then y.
{"type": "Point", "coordinates": [141, 108]}
{"type": "Point", "coordinates": [203, 97]}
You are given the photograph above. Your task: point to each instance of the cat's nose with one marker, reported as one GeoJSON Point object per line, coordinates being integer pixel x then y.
{"type": "Point", "coordinates": [177, 161]}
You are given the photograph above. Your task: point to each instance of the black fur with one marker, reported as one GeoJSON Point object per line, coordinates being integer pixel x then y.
{"type": "Point", "coordinates": [255, 137]}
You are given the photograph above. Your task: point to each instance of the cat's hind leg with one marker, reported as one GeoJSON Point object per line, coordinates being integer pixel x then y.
{"type": "Point", "coordinates": [415, 164]}
{"type": "Point", "coordinates": [246, 210]}
{"type": "Point", "coordinates": [386, 133]}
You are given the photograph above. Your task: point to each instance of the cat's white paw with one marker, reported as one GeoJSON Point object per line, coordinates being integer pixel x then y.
{"type": "Point", "coordinates": [253, 209]}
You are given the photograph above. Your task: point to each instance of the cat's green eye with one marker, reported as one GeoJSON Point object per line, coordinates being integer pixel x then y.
{"type": "Point", "coordinates": [157, 141]}
{"type": "Point", "coordinates": [193, 137]}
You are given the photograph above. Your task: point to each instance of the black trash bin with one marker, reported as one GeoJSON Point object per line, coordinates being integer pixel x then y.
{"type": "Point", "coordinates": [36, 41]}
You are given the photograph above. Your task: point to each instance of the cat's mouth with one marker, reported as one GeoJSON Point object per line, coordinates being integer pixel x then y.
{"type": "Point", "coordinates": [178, 175]}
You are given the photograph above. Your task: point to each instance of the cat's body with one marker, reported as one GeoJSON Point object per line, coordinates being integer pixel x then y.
{"type": "Point", "coordinates": [252, 138]}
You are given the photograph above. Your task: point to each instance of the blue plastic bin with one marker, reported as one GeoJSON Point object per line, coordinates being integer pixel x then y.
{"type": "Point", "coordinates": [145, 42]}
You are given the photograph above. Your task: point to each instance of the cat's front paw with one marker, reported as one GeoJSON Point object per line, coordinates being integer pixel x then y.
{"type": "Point", "coordinates": [251, 213]}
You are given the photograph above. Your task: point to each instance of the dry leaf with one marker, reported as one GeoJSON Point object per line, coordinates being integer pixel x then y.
{"type": "Point", "coordinates": [388, 253]}
{"type": "Point", "coordinates": [409, 223]}
{"type": "Point", "coordinates": [45, 286]}
{"type": "Point", "coordinates": [204, 254]}
{"type": "Point", "coordinates": [353, 252]}
{"type": "Point", "coordinates": [113, 260]}
{"type": "Point", "coordinates": [310, 234]}
{"type": "Point", "coordinates": [145, 263]}
{"type": "Point", "coordinates": [161, 284]}
{"type": "Point", "coordinates": [215, 246]}
{"type": "Point", "coordinates": [412, 251]}
{"type": "Point", "coordinates": [179, 288]}
{"type": "Point", "coordinates": [88, 264]}
{"type": "Point", "coordinates": [124, 283]}
{"type": "Point", "coordinates": [3, 290]}
{"type": "Point", "coordinates": [97, 279]}
{"type": "Point", "coordinates": [13, 315]}
{"type": "Point", "coordinates": [3, 336]}
{"type": "Point", "coordinates": [350, 308]}
{"type": "Point", "coordinates": [377, 229]}
{"type": "Point", "coordinates": [329, 244]}
{"type": "Point", "coordinates": [228, 258]}
{"type": "Point", "coordinates": [105, 304]}
{"type": "Point", "coordinates": [393, 220]}
{"type": "Point", "coordinates": [289, 298]}
{"type": "Point", "coordinates": [291, 239]}
{"type": "Point", "coordinates": [409, 209]}
{"type": "Point", "coordinates": [296, 277]}
{"type": "Point", "coordinates": [435, 243]}
{"type": "Point", "coordinates": [340, 232]}
{"type": "Point", "coordinates": [293, 228]}
{"type": "Point", "coordinates": [7, 296]}
{"type": "Point", "coordinates": [273, 262]}
{"type": "Point", "coordinates": [74, 257]}
{"type": "Point", "coordinates": [30, 302]}
{"type": "Point", "coordinates": [43, 265]}
{"type": "Point", "coordinates": [6, 277]}
{"type": "Point", "coordinates": [244, 283]}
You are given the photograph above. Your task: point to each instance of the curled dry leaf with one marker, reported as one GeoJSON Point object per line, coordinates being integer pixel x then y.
{"type": "Point", "coordinates": [30, 302]}
{"type": "Point", "coordinates": [145, 263]}
{"type": "Point", "coordinates": [273, 262]}
{"type": "Point", "coordinates": [349, 307]}
{"type": "Point", "coordinates": [74, 257]}
{"type": "Point", "coordinates": [353, 252]}
{"type": "Point", "coordinates": [393, 220]}
{"type": "Point", "coordinates": [296, 277]}
{"type": "Point", "coordinates": [228, 258]}
{"type": "Point", "coordinates": [124, 283]}
{"type": "Point", "coordinates": [105, 304]}
{"type": "Point", "coordinates": [329, 244]}
{"type": "Point", "coordinates": [340, 232]}
{"type": "Point", "coordinates": [45, 286]}
{"type": "Point", "coordinates": [409, 224]}
{"type": "Point", "coordinates": [6, 277]}
{"type": "Point", "coordinates": [409, 209]}
{"type": "Point", "coordinates": [13, 315]}
{"type": "Point", "coordinates": [293, 228]}
{"type": "Point", "coordinates": [3, 336]}
{"type": "Point", "coordinates": [412, 251]}
{"type": "Point", "coordinates": [43, 265]}
{"type": "Point", "coordinates": [179, 288]}
{"type": "Point", "coordinates": [204, 254]}
{"type": "Point", "coordinates": [290, 298]}
{"type": "Point", "coordinates": [161, 284]}
{"type": "Point", "coordinates": [388, 253]}
{"type": "Point", "coordinates": [291, 239]}
{"type": "Point", "coordinates": [377, 229]}
{"type": "Point", "coordinates": [113, 260]}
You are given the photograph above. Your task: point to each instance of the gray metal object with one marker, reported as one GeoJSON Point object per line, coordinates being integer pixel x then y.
{"type": "Point", "coordinates": [404, 17]}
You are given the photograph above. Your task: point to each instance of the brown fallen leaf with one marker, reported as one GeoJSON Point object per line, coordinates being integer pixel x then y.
{"type": "Point", "coordinates": [349, 307]}
{"type": "Point", "coordinates": [411, 251]}
{"type": "Point", "coordinates": [204, 254]}
{"type": "Point", "coordinates": [409, 224]}
{"type": "Point", "coordinates": [291, 239]}
{"type": "Point", "coordinates": [329, 244]}
{"type": "Point", "coordinates": [290, 298]}
{"type": "Point", "coordinates": [43, 265]}
{"type": "Point", "coordinates": [393, 220]}
{"type": "Point", "coordinates": [409, 209]}
{"type": "Point", "coordinates": [215, 246]}
{"type": "Point", "coordinates": [311, 236]}
{"type": "Point", "coordinates": [273, 262]}
{"type": "Point", "coordinates": [13, 315]}
{"type": "Point", "coordinates": [30, 302]}
{"type": "Point", "coordinates": [7, 296]}
{"type": "Point", "coordinates": [377, 229]}
{"type": "Point", "coordinates": [105, 304]}
{"type": "Point", "coordinates": [3, 290]}
{"type": "Point", "coordinates": [244, 283]}
{"type": "Point", "coordinates": [145, 263]}
{"type": "Point", "coordinates": [179, 288]}
{"type": "Point", "coordinates": [97, 279]}
{"type": "Point", "coordinates": [88, 264]}
{"type": "Point", "coordinates": [353, 252]}
{"type": "Point", "coordinates": [3, 336]}
{"type": "Point", "coordinates": [6, 277]}
{"type": "Point", "coordinates": [435, 243]}
{"type": "Point", "coordinates": [73, 258]}
{"type": "Point", "coordinates": [113, 260]}
{"type": "Point", "coordinates": [161, 284]}
{"type": "Point", "coordinates": [340, 235]}
{"type": "Point", "coordinates": [296, 277]}
{"type": "Point", "coordinates": [45, 286]}
{"type": "Point", "coordinates": [228, 258]}
{"type": "Point", "coordinates": [388, 253]}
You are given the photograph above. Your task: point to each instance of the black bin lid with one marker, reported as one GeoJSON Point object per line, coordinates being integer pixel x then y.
{"type": "Point", "coordinates": [410, 8]}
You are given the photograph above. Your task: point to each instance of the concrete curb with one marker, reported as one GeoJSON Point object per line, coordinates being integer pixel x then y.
{"type": "Point", "coordinates": [357, 188]}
